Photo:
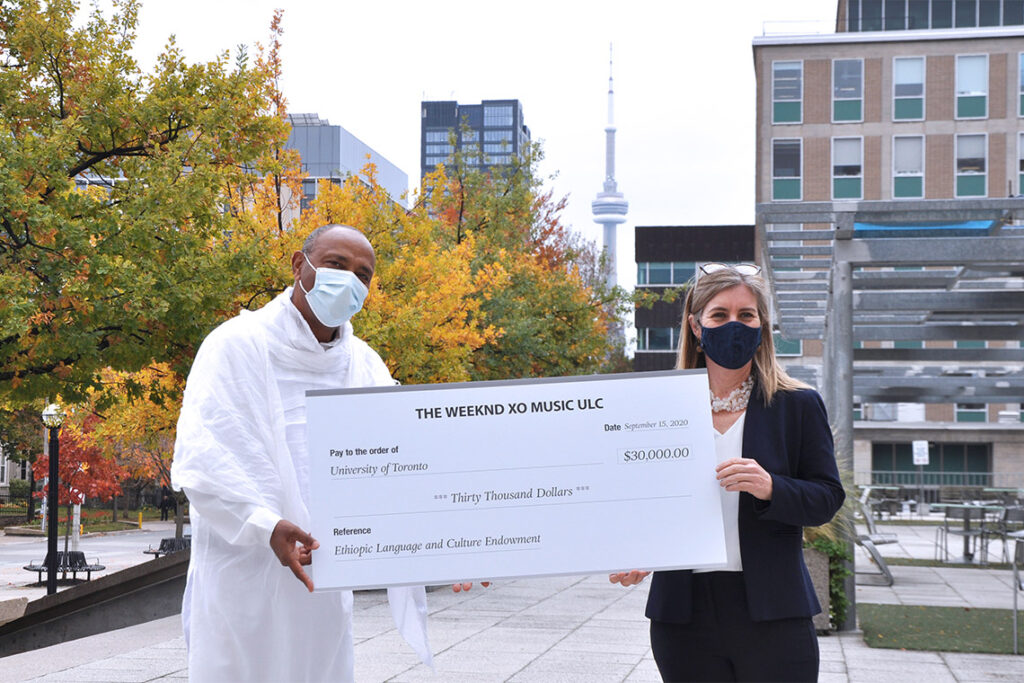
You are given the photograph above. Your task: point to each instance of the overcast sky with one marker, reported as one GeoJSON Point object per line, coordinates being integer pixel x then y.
{"type": "Point", "coordinates": [684, 84]}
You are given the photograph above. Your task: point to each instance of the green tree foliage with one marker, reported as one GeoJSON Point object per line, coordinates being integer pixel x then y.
{"type": "Point", "coordinates": [114, 246]}
{"type": "Point", "coordinates": [555, 311]}
{"type": "Point", "coordinates": [21, 432]}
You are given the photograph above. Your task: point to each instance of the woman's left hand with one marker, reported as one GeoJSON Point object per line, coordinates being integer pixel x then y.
{"type": "Point", "coordinates": [745, 474]}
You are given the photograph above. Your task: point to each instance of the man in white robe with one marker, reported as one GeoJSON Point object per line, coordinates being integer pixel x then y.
{"type": "Point", "coordinates": [249, 612]}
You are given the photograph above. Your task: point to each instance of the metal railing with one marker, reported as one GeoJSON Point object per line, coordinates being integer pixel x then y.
{"type": "Point", "coordinates": [937, 487]}
{"type": "Point", "coordinates": [12, 506]}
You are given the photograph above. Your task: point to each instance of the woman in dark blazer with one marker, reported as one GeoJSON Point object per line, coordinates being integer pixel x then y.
{"type": "Point", "coordinates": [752, 620]}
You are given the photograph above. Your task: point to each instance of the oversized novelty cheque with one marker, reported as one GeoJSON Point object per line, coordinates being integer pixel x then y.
{"type": "Point", "coordinates": [439, 483]}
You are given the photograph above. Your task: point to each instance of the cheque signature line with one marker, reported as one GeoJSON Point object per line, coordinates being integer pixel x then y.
{"type": "Point", "coordinates": [498, 469]}
{"type": "Point", "coordinates": [463, 508]}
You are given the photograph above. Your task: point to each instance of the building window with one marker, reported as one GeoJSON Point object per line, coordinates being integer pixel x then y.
{"type": "Point", "coordinates": [439, 149]}
{"type": "Point", "coordinates": [847, 90]}
{"type": "Point", "coordinates": [970, 166]}
{"type": "Point", "coordinates": [895, 15]}
{"type": "Point", "coordinates": [470, 136]}
{"type": "Point", "coordinates": [498, 116]}
{"type": "Point", "coordinates": [659, 273]}
{"type": "Point", "coordinates": [683, 272]}
{"type": "Point", "coordinates": [971, 412]}
{"type": "Point", "coordinates": [917, 14]}
{"type": "Point", "coordinates": [1020, 85]}
{"type": "Point", "coordinates": [884, 412]}
{"type": "Point", "coordinates": [971, 344]}
{"type": "Point", "coordinates": [437, 136]}
{"type": "Point", "coordinates": [847, 168]}
{"type": "Point", "coordinates": [1013, 12]}
{"type": "Point", "coordinates": [786, 164]}
{"type": "Point", "coordinates": [971, 86]}
{"type": "Point", "coordinates": [942, 14]}
{"type": "Point", "coordinates": [965, 13]}
{"type": "Point", "coordinates": [1020, 163]}
{"type": "Point", "coordinates": [308, 194]}
{"type": "Point", "coordinates": [787, 92]}
{"type": "Point", "coordinates": [497, 136]}
{"type": "Point", "coordinates": [665, 273]}
{"type": "Point", "coordinates": [988, 13]}
{"type": "Point", "coordinates": [657, 338]}
{"type": "Point", "coordinates": [949, 464]}
{"type": "Point", "coordinates": [908, 88]}
{"type": "Point", "coordinates": [787, 347]}
{"type": "Point", "coordinates": [871, 15]}
{"type": "Point", "coordinates": [858, 411]}
{"type": "Point", "coordinates": [908, 166]}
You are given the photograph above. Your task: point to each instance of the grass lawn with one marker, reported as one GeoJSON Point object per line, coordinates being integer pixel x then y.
{"type": "Point", "coordinates": [94, 520]}
{"type": "Point", "coordinates": [918, 562]}
{"type": "Point", "coordinates": [946, 629]}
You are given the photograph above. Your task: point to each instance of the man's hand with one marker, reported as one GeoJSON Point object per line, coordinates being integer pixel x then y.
{"type": "Point", "coordinates": [283, 542]}
{"type": "Point", "coordinates": [630, 578]}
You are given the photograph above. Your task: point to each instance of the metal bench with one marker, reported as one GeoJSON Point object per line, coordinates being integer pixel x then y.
{"type": "Point", "coordinates": [73, 561]}
{"type": "Point", "coordinates": [170, 545]}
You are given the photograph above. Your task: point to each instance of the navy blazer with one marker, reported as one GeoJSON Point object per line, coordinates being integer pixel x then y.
{"type": "Point", "coordinates": [792, 441]}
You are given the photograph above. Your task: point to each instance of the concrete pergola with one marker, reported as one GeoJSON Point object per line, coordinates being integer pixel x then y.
{"type": "Point", "coordinates": [972, 288]}
{"type": "Point", "coordinates": [963, 283]}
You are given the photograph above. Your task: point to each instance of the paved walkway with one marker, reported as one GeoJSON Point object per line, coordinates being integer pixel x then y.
{"type": "Point", "coordinates": [556, 629]}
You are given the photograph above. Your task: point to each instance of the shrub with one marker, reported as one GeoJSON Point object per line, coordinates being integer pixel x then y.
{"type": "Point", "coordinates": [19, 489]}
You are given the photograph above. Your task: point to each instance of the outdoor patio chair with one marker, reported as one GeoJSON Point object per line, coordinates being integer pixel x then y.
{"type": "Point", "coordinates": [1018, 580]}
{"type": "Point", "coordinates": [965, 522]}
{"type": "Point", "coordinates": [871, 540]}
{"type": "Point", "coordinates": [1011, 520]}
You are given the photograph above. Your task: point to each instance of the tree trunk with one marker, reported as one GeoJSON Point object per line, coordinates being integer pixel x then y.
{"type": "Point", "coordinates": [67, 535]}
{"type": "Point", "coordinates": [31, 515]}
{"type": "Point", "coordinates": [179, 515]}
{"type": "Point", "coordinates": [114, 517]}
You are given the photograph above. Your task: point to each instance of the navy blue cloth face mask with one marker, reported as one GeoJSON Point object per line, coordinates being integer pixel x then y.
{"type": "Point", "coordinates": [731, 345]}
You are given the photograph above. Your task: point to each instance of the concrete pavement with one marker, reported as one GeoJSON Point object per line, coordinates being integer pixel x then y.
{"type": "Point", "coordinates": [556, 629]}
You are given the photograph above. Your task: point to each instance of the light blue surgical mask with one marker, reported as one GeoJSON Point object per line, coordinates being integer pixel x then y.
{"type": "Point", "coordinates": [336, 296]}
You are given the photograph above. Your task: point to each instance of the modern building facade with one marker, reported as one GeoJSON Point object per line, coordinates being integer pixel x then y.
{"type": "Point", "coordinates": [330, 152]}
{"type": "Point", "coordinates": [488, 135]}
{"type": "Point", "coordinates": [667, 257]}
{"type": "Point", "coordinates": [908, 100]}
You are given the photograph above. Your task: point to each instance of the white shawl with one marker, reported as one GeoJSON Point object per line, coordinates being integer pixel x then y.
{"type": "Point", "coordinates": [246, 617]}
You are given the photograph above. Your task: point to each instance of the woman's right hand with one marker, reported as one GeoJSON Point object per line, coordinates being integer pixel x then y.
{"type": "Point", "coordinates": [630, 578]}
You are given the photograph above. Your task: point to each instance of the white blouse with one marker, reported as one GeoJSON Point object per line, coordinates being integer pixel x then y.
{"type": "Point", "coordinates": [730, 445]}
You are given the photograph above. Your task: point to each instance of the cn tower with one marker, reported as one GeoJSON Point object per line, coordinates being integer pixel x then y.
{"type": "Point", "coordinates": [610, 206]}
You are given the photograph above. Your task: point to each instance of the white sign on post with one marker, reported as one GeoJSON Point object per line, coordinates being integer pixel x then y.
{"type": "Point", "coordinates": [920, 452]}
{"type": "Point", "coordinates": [433, 484]}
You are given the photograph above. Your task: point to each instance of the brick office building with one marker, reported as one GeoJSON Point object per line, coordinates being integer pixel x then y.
{"type": "Point", "coordinates": [912, 99]}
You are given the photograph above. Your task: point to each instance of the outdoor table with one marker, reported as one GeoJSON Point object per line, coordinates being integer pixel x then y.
{"type": "Point", "coordinates": [968, 556]}
{"type": "Point", "coordinates": [1007, 495]}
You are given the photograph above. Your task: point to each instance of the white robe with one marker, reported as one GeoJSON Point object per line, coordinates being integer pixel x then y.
{"type": "Point", "coordinates": [240, 458]}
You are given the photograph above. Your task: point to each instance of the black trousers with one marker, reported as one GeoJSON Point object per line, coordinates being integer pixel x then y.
{"type": "Point", "coordinates": [722, 643]}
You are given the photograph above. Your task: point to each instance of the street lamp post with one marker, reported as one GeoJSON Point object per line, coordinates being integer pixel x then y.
{"type": "Point", "coordinates": [53, 417]}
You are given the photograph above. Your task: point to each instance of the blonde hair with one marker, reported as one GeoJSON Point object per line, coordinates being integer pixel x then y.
{"type": "Point", "coordinates": [769, 374]}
